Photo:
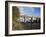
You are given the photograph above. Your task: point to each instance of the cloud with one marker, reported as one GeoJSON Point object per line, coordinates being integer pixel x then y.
{"type": "Point", "coordinates": [29, 11]}
{"type": "Point", "coordinates": [26, 11]}
{"type": "Point", "coordinates": [21, 10]}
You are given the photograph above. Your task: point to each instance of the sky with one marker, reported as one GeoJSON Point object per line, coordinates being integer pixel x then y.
{"type": "Point", "coordinates": [29, 11]}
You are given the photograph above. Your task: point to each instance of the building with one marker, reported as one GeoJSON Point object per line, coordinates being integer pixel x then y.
{"type": "Point", "coordinates": [28, 18]}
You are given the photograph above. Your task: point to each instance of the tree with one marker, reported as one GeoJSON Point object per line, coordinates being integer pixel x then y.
{"type": "Point", "coordinates": [15, 13]}
{"type": "Point", "coordinates": [15, 16]}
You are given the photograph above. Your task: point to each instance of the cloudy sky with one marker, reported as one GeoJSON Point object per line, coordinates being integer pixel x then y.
{"type": "Point", "coordinates": [29, 11]}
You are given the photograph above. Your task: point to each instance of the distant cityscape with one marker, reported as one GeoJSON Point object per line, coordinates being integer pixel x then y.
{"type": "Point", "coordinates": [29, 19]}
